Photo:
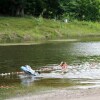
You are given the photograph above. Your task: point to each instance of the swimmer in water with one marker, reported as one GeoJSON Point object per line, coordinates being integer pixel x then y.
{"type": "Point", "coordinates": [63, 66]}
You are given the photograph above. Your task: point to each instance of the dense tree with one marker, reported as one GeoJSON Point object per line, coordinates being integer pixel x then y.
{"type": "Point", "coordinates": [53, 9]}
{"type": "Point", "coordinates": [82, 9]}
{"type": "Point", "coordinates": [78, 9]}
{"type": "Point", "coordinates": [45, 8]}
{"type": "Point", "coordinates": [17, 7]}
{"type": "Point", "coordinates": [87, 9]}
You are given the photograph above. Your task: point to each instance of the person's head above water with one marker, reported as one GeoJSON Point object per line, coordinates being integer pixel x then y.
{"type": "Point", "coordinates": [62, 63]}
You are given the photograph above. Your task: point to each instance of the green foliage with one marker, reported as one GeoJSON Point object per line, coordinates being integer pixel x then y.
{"type": "Point", "coordinates": [55, 9]}
{"type": "Point", "coordinates": [82, 9]}
{"type": "Point", "coordinates": [88, 9]}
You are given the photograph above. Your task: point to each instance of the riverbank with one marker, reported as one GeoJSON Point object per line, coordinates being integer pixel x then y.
{"type": "Point", "coordinates": [64, 94]}
{"type": "Point", "coordinates": [30, 29]}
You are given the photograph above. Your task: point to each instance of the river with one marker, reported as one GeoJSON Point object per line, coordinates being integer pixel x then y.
{"type": "Point", "coordinates": [83, 57]}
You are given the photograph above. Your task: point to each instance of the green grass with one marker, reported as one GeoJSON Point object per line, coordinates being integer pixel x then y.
{"type": "Point", "coordinates": [16, 29]}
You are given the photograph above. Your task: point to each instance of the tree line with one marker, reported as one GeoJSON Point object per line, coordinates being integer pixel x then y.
{"type": "Point", "coordinates": [56, 9]}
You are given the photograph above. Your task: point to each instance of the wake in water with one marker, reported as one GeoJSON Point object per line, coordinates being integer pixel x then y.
{"type": "Point", "coordinates": [86, 70]}
{"type": "Point", "coordinates": [89, 71]}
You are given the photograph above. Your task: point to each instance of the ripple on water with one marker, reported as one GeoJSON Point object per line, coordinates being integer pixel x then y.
{"type": "Point", "coordinates": [87, 73]}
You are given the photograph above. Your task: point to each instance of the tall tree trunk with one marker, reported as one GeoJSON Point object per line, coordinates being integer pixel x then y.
{"type": "Point", "coordinates": [18, 12]}
{"type": "Point", "coordinates": [22, 12]}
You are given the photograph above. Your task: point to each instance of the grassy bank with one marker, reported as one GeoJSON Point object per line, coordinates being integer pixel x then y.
{"type": "Point", "coordinates": [13, 29]}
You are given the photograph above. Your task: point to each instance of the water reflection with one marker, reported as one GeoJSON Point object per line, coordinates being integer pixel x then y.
{"type": "Point", "coordinates": [74, 53]}
{"type": "Point", "coordinates": [27, 80]}
{"type": "Point", "coordinates": [86, 49]}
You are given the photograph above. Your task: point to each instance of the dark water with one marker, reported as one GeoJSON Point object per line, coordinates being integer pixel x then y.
{"type": "Point", "coordinates": [74, 53]}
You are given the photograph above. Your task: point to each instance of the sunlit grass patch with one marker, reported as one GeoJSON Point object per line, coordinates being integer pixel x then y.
{"type": "Point", "coordinates": [16, 29]}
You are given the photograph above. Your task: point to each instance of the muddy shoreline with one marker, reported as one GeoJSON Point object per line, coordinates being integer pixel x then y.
{"type": "Point", "coordinates": [64, 94]}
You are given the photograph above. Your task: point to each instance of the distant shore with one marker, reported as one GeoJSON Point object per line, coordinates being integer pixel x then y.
{"type": "Point", "coordinates": [26, 29]}
{"type": "Point", "coordinates": [64, 94]}
{"type": "Point", "coordinates": [35, 43]}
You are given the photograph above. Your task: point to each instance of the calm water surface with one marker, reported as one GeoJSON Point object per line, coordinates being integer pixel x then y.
{"type": "Point", "coordinates": [79, 55]}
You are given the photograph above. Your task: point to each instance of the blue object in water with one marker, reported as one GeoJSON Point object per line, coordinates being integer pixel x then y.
{"type": "Point", "coordinates": [28, 70]}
